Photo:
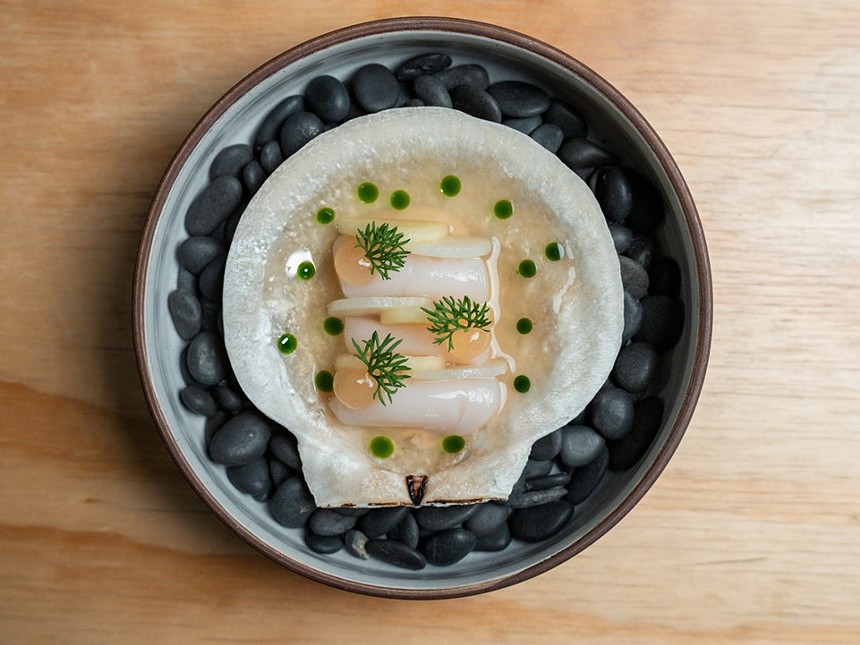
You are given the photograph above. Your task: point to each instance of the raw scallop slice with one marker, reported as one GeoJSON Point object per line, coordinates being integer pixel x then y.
{"type": "Point", "coordinates": [576, 304]}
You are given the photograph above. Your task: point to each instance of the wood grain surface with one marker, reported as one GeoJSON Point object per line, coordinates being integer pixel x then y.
{"type": "Point", "coordinates": [751, 535]}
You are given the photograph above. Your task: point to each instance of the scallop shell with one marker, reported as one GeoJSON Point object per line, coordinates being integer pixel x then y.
{"type": "Point", "coordinates": [580, 317]}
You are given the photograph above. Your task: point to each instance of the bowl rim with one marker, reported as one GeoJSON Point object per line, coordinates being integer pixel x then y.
{"type": "Point", "coordinates": [608, 93]}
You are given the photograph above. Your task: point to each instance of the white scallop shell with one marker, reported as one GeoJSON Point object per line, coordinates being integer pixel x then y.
{"type": "Point", "coordinates": [585, 309]}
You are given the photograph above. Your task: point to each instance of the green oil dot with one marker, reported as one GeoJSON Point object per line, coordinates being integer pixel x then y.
{"type": "Point", "coordinates": [524, 326]}
{"type": "Point", "coordinates": [453, 443]}
{"type": "Point", "coordinates": [554, 251]}
{"type": "Point", "coordinates": [324, 380]}
{"type": "Point", "coordinates": [333, 326]}
{"type": "Point", "coordinates": [287, 344]}
{"type": "Point", "coordinates": [522, 384]}
{"type": "Point", "coordinates": [367, 192]}
{"type": "Point", "coordinates": [399, 200]}
{"type": "Point", "coordinates": [382, 447]}
{"type": "Point", "coordinates": [503, 209]}
{"type": "Point", "coordinates": [450, 186]}
{"type": "Point", "coordinates": [306, 270]}
{"type": "Point", "coordinates": [325, 215]}
{"type": "Point", "coordinates": [527, 269]}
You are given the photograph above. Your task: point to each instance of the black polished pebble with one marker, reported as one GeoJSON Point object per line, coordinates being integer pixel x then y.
{"type": "Point", "coordinates": [432, 92]}
{"type": "Point", "coordinates": [423, 65]}
{"type": "Point", "coordinates": [611, 412]}
{"type": "Point", "coordinates": [439, 518]}
{"type": "Point", "coordinates": [546, 447]}
{"type": "Point", "coordinates": [537, 523]}
{"type": "Point", "coordinates": [647, 419]}
{"type": "Point", "coordinates": [285, 447]}
{"type": "Point", "coordinates": [528, 498]}
{"type": "Point", "coordinates": [253, 176]}
{"type": "Point", "coordinates": [449, 546]}
{"type": "Point", "coordinates": [213, 205]}
{"type": "Point", "coordinates": [664, 276]}
{"type": "Point", "coordinates": [186, 281]}
{"type": "Point", "coordinates": [328, 98]}
{"type": "Point", "coordinates": [519, 99]}
{"type": "Point", "coordinates": [396, 553]}
{"type": "Point", "coordinates": [407, 531]}
{"type": "Point", "coordinates": [298, 129]}
{"type": "Point", "coordinates": [207, 359]}
{"type": "Point", "coordinates": [278, 471]}
{"type": "Point", "coordinates": [549, 136]}
{"type": "Point", "coordinates": [196, 252]}
{"type": "Point", "coordinates": [487, 519]}
{"type": "Point", "coordinates": [635, 366]}
{"type": "Point", "coordinates": [641, 250]}
{"type": "Point", "coordinates": [375, 88]}
{"type": "Point", "coordinates": [622, 237]}
{"type": "Point", "coordinates": [230, 161]}
{"type": "Point", "coordinates": [662, 322]}
{"type": "Point", "coordinates": [579, 152]}
{"type": "Point", "coordinates": [585, 479]}
{"type": "Point", "coordinates": [379, 521]}
{"type": "Point", "coordinates": [271, 157]}
{"type": "Point", "coordinates": [185, 312]}
{"type": "Point", "coordinates": [547, 481]}
{"type": "Point", "coordinates": [646, 212]}
{"type": "Point", "coordinates": [228, 398]}
{"type": "Point", "coordinates": [241, 440]}
{"type": "Point", "coordinates": [498, 540]}
{"type": "Point", "coordinates": [350, 511]}
{"type": "Point", "coordinates": [614, 193]}
{"type": "Point", "coordinates": [198, 400]}
{"type": "Point", "coordinates": [634, 277]}
{"type": "Point", "coordinates": [476, 102]}
{"type": "Point", "coordinates": [525, 125]}
{"type": "Point", "coordinates": [211, 312]}
{"type": "Point", "coordinates": [212, 279]}
{"type": "Point", "coordinates": [326, 521]}
{"type": "Point", "coordinates": [633, 317]}
{"type": "Point", "coordinates": [292, 504]}
{"type": "Point", "coordinates": [580, 445]}
{"type": "Point", "coordinates": [323, 544]}
{"type": "Point", "coordinates": [470, 74]}
{"type": "Point", "coordinates": [356, 543]}
{"type": "Point", "coordinates": [564, 116]}
{"type": "Point", "coordinates": [252, 478]}
{"type": "Point", "coordinates": [271, 125]}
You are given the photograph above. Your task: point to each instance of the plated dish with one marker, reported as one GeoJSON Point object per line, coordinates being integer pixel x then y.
{"type": "Point", "coordinates": [580, 349]}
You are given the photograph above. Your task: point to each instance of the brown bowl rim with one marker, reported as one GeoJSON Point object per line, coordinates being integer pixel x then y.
{"type": "Point", "coordinates": [517, 39]}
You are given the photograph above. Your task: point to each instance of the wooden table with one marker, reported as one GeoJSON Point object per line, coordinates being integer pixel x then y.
{"type": "Point", "coordinates": [751, 535]}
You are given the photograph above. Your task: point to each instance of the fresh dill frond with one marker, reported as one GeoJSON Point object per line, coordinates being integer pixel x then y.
{"type": "Point", "coordinates": [385, 365]}
{"type": "Point", "coordinates": [450, 315]}
{"type": "Point", "coordinates": [384, 246]}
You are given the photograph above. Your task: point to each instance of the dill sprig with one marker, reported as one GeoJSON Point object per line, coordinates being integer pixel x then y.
{"type": "Point", "coordinates": [450, 315]}
{"type": "Point", "coordinates": [384, 247]}
{"type": "Point", "coordinates": [384, 364]}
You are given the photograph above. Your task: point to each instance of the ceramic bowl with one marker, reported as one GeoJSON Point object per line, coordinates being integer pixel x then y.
{"type": "Point", "coordinates": [233, 119]}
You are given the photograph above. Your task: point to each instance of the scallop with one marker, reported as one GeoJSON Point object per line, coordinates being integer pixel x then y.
{"type": "Point", "coordinates": [461, 249]}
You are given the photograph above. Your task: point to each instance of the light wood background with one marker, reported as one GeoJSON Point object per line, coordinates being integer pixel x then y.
{"type": "Point", "coordinates": [751, 535]}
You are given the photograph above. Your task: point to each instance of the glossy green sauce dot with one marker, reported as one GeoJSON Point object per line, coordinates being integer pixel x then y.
{"type": "Point", "coordinates": [333, 326]}
{"type": "Point", "coordinates": [524, 326]}
{"type": "Point", "coordinates": [554, 251]}
{"type": "Point", "coordinates": [453, 443]}
{"type": "Point", "coordinates": [522, 384]}
{"type": "Point", "coordinates": [381, 447]}
{"type": "Point", "coordinates": [306, 270]}
{"type": "Point", "coordinates": [450, 186]}
{"type": "Point", "coordinates": [324, 380]}
{"type": "Point", "coordinates": [325, 215]}
{"type": "Point", "coordinates": [503, 209]}
{"type": "Point", "coordinates": [399, 200]}
{"type": "Point", "coordinates": [287, 344]}
{"type": "Point", "coordinates": [527, 269]}
{"type": "Point", "coordinates": [367, 192]}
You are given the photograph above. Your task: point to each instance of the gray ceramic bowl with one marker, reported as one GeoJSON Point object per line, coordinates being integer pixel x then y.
{"type": "Point", "coordinates": [507, 55]}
